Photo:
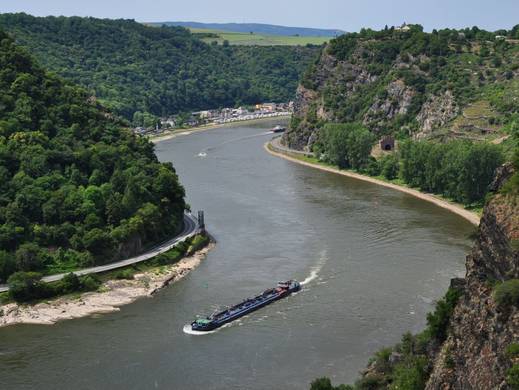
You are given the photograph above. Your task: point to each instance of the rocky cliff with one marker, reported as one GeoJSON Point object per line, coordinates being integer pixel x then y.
{"type": "Point", "coordinates": [474, 353]}
{"type": "Point", "coordinates": [404, 83]}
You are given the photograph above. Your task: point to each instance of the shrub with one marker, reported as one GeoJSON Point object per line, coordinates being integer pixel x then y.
{"type": "Point", "coordinates": [29, 257]}
{"type": "Point", "coordinates": [7, 265]}
{"type": "Point", "coordinates": [390, 166]}
{"type": "Point", "coordinates": [321, 384]}
{"type": "Point", "coordinates": [438, 321]}
{"type": "Point", "coordinates": [382, 360]}
{"type": "Point", "coordinates": [325, 384]}
{"type": "Point", "coordinates": [90, 283]}
{"type": "Point", "coordinates": [411, 374]}
{"type": "Point", "coordinates": [512, 351]}
{"type": "Point", "coordinates": [506, 294]}
{"type": "Point", "coordinates": [198, 242]}
{"type": "Point", "coordinates": [69, 283]}
{"type": "Point", "coordinates": [512, 377]}
{"type": "Point", "coordinates": [371, 382]}
{"type": "Point", "coordinates": [124, 274]}
{"type": "Point", "coordinates": [26, 286]}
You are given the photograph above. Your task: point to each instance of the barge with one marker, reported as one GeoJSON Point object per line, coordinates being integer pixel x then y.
{"type": "Point", "coordinates": [249, 305]}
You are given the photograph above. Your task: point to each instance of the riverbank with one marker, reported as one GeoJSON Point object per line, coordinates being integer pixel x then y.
{"type": "Point", "coordinates": [179, 132]}
{"type": "Point", "coordinates": [108, 298]}
{"type": "Point", "coordinates": [302, 159]}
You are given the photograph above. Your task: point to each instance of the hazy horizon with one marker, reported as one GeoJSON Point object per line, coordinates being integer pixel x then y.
{"type": "Point", "coordinates": [345, 15]}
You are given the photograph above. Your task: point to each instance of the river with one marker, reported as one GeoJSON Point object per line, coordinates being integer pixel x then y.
{"type": "Point", "coordinates": [373, 261]}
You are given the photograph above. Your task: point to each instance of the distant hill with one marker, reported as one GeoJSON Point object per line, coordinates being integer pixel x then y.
{"type": "Point", "coordinates": [256, 28]}
{"type": "Point", "coordinates": [133, 68]}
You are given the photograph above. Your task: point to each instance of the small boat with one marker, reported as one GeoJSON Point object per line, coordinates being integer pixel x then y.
{"type": "Point", "coordinates": [278, 129]}
{"type": "Point", "coordinates": [249, 305]}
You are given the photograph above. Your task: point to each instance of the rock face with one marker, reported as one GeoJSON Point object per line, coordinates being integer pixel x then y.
{"type": "Point", "coordinates": [397, 84]}
{"type": "Point", "coordinates": [473, 356]}
{"type": "Point", "coordinates": [397, 102]}
{"type": "Point", "coordinates": [437, 111]}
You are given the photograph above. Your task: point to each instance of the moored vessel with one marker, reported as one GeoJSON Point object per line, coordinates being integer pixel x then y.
{"type": "Point", "coordinates": [278, 129]}
{"type": "Point", "coordinates": [249, 305]}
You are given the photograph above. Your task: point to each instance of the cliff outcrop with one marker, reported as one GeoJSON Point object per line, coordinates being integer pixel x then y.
{"type": "Point", "coordinates": [474, 353]}
{"type": "Point", "coordinates": [406, 83]}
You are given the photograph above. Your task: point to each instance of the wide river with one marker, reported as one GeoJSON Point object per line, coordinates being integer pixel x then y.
{"type": "Point", "coordinates": [373, 261]}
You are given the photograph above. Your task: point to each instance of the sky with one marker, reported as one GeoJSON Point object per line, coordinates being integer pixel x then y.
{"type": "Point", "coordinates": [348, 15]}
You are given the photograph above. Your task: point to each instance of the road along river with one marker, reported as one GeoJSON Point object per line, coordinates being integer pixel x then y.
{"type": "Point", "coordinates": [373, 261]}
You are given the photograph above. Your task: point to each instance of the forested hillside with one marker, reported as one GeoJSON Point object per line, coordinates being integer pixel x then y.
{"type": "Point", "coordinates": [76, 188]}
{"type": "Point", "coordinates": [455, 90]}
{"type": "Point", "coordinates": [131, 67]}
{"type": "Point", "coordinates": [442, 85]}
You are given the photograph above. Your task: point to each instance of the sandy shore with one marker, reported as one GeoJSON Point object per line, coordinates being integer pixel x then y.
{"type": "Point", "coordinates": [112, 295]}
{"type": "Point", "coordinates": [179, 132]}
{"type": "Point", "coordinates": [453, 207]}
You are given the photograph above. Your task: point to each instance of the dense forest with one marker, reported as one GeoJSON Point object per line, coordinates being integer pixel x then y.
{"type": "Point", "coordinates": [76, 187]}
{"type": "Point", "coordinates": [158, 70]}
{"type": "Point", "coordinates": [460, 170]}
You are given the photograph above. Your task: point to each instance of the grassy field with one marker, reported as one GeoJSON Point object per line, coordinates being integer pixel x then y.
{"type": "Point", "coordinates": [247, 39]}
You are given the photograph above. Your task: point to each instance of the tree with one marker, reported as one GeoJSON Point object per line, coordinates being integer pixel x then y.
{"type": "Point", "coordinates": [7, 265]}
{"type": "Point", "coordinates": [26, 286]}
{"type": "Point", "coordinates": [29, 257]}
{"type": "Point", "coordinates": [347, 145]}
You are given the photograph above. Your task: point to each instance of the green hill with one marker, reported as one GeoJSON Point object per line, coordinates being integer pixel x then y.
{"type": "Point", "coordinates": [131, 67]}
{"type": "Point", "coordinates": [456, 89]}
{"type": "Point", "coordinates": [76, 188]}
{"type": "Point", "coordinates": [443, 85]}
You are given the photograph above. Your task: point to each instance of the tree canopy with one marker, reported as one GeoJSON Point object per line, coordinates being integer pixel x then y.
{"type": "Point", "coordinates": [75, 186]}
{"type": "Point", "coordinates": [158, 70]}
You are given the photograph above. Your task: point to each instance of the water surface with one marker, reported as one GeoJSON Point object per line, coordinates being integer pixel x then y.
{"type": "Point", "coordinates": [374, 260]}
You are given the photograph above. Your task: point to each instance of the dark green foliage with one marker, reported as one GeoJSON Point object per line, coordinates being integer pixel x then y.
{"type": "Point", "coordinates": [70, 283]}
{"type": "Point", "coordinates": [411, 374]}
{"type": "Point", "coordinates": [389, 166]}
{"type": "Point", "coordinates": [75, 185]}
{"type": "Point", "coordinates": [512, 351]}
{"type": "Point", "coordinates": [347, 145]}
{"type": "Point", "coordinates": [125, 274]}
{"type": "Point", "coordinates": [438, 321]}
{"type": "Point", "coordinates": [371, 382]}
{"type": "Point", "coordinates": [29, 257]}
{"type": "Point", "coordinates": [512, 377]}
{"type": "Point", "coordinates": [506, 294]}
{"type": "Point", "coordinates": [90, 283]}
{"type": "Point", "coordinates": [158, 70]}
{"type": "Point", "coordinates": [7, 265]}
{"type": "Point", "coordinates": [26, 286]}
{"type": "Point", "coordinates": [459, 169]}
{"type": "Point", "coordinates": [325, 384]}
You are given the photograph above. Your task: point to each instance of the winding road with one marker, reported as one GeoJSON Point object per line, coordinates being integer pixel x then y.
{"type": "Point", "coordinates": [189, 230]}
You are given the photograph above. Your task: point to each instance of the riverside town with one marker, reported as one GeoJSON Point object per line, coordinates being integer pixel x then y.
{"type": "Point", "coordinates": [217, 117]}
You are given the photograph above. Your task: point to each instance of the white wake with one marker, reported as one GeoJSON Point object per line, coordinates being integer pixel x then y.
{"type": "Point", "coordinates": [314, 272]}
{"type": "Point", "coordinates": [187, 329]}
